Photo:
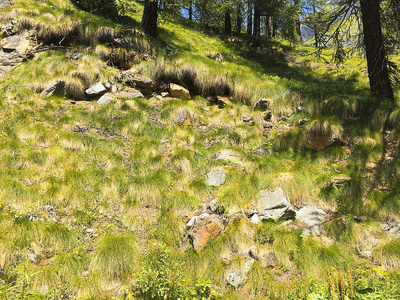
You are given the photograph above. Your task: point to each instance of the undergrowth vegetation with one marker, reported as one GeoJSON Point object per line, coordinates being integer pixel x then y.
{"type": "Point", "coordinates": [93, 197]}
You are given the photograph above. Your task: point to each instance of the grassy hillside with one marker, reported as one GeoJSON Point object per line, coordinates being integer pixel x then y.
{"type": "Point", "coordinates": [95, 199]}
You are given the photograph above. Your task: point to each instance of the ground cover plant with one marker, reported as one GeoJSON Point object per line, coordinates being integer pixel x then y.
{"type": "Point", "coordinates": [113, 200]}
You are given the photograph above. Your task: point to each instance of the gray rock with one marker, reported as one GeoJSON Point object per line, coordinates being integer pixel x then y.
{"type": "Point", "coordinates": [262, 104]}
{"type": "Point", "coordinates": [255, 219]}
{"type": "Point", "coordinates": [143, 82]}
{"type": "Point", "coordinates": [274, 205]}
{"type": "Point", "coordinates": [215, 178]}
{"type": "Point", "coordinates": [313, 218]}
{"type": "Point", "coordinates": [96, 90]}
{"type": "Point", "coordinates": [192, 221]}
{"type": "Point", "coordinates": [132, 94]}
{"type": "Point", "coordinates": [247, 118]}
{"type": "Point", "coordinates": [55, 88]}
{"type": "Point", "coordinates": [177, 91]}
{"type": "Point", "coordinates": [238, 277]}
{"type": "Point", "coordinates": [105, 99]}
{"type": "Point", "coordinates": [75, 56]}
{"type": "Point", "coordinates": [6, 3]}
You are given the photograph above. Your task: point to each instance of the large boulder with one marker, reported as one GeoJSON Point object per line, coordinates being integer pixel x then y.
{"type": "Point", "coordinates": [313, 218]}
{"type": "Point", "coordinates": [215, 178]}
{"type": "Point", "coordinates": [16, 43]}
{"type": "Point", "coordinates": [177, 91]}
{"type": "Point", "coordinates": [97, 90]}
{"type": "Point", "coordinates": [57, 88]}
{"type": "Point", "coordinates": [275, 206]}
{"type": "Point", "coordinates": [205, 228]}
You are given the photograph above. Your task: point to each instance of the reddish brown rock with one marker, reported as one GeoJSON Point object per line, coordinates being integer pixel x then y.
{"type": "Point", "coordinates": [205, 230]}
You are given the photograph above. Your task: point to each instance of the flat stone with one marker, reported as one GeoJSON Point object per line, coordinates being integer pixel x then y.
{"type": "Point", "coordinates": [105, 99]}
{"type": "Point", "coordinates": [96, 90]}
{"type": "Point", "coordinates": [246, 118]}
{"type": "Point", "coordinates": [177, 91]}
{"type": "Point", "coordinates": [132, 94]}
{"type": "Point", "coordinates": [215, 178]}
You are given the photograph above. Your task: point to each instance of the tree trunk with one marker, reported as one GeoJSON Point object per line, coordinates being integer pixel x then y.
{"type": "Point", "coordinates": [149, 19]}
{"type": "Point", "coordinates": [298, 28]}
{"type": "Point", "coordinates": [316, 37]}
{"type": "Point", "coordinates": [228, 23]}
{"type": "Point", "coordinates": [257, 24]}
{"type": "Point", "coordinates": [375, 50]}
{"type": "Point", "coordinates": [274, 27]}
{"type": "Point", "coordinates": [249, 17]}
{"type": "Point", "coordinates": [239, 19]}
{"type": "Point", "coordinates": [268, 31]}
{"type": "Point", "coordinates": [190, 10]}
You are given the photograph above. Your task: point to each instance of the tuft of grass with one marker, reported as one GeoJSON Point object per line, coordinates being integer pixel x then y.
{"type": "Point", "coordinates": [115, 257]}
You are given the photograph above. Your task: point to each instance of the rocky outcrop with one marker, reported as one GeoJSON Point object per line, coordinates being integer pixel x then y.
{"type": "Point", "coordinates": [135, 79]}
{"type": "Point", "coordinates": [275, 206]}
{"type": "Point", "coordinates": [129, 94]}
{"type": "Point", "coordinates": [177, 91]}
{"type": "Point", "coordinates": [393, 228]}
{"type": "Point", "coordinates": [215, 178]}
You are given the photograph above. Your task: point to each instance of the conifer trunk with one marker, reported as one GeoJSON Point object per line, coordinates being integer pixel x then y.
{"type": "Point", "coordinates": [239, 19]}
{"type": "Point", "coordinates": [249, 17]}
{"type": "Point", "coordinates": [228, 23]}
{"type": "Point", "coordinates": [257, 26]}
{"type": "Point", "coordinates": [378, 73]}
{"type": "Point", "coordinates": [149, 19]}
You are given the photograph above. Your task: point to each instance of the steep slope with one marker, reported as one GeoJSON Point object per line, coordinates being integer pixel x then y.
{"type": "Point", "coordinates": [265, 184]}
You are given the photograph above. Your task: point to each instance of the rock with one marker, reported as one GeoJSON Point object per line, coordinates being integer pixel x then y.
{"type": "Point", "coordinates": [131, 94]}
{"type": "Point", "coordinates": [313, 218]}
{"type": "Point", "coordinates": [177, 91]}
{"type": "Point", "coordinates": [96, 90]}
{"type": "Point", "coordinates": [105, 99]}
{"type": "Point", "coordinates": [223, 101]}
{"type": "Point", "coordinates": [164, 94]}
{"type": "Point", "coordinates": [6, 3]}
{"type": "Point", "coordinates": [238, 277]}
{"type": "Point", "coordinates": [143, 82]}
{"type": "Point", "coordinates": [55, 88]}
{"type": "Point", "coordinates": [182, 117]}
{"type": "Point", "coordinates": [246, 118]}
{"type": "Point", "coordinates": [392, 228]}
{"type": "Point", "coordinates": [262, 104]}
{"type": "Point", "coordinates": [205, 229]}
{"type": "Point", "coordinates": [215, 178]}
{"type": "Point", "coordinates": [255, 219]}
{"type": "Point", "coordinates": [75, 56]}
{"type": "Point", "coordinates": [187, 216]}
{"type": "Point", "coordinates": [227, 155]}
{"type": "Point", "coordinates": [18, 42]}
{"type": "Point", "coordinates": [192, 221]}
{"type": "Point", "coordinates": [274, 205]}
